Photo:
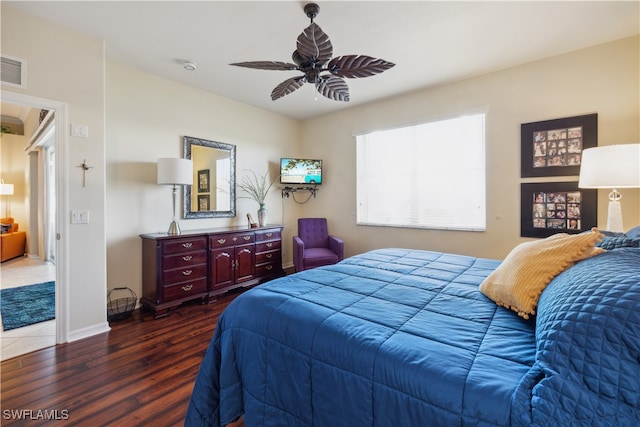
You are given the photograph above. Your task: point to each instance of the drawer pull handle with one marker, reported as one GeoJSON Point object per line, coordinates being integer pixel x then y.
{"type": "Point", "coordinates": [235, 239]}
{"type": "Point", "coordinates": [221, 241]}
{"type": "Point", "coordinates": [187, 272]}
{"type": "Point", "coordinates": [269, 245]}
{"type": "Point", "coordinates": [187, 245]}
{"type": "Point", "coordinates": [187, 288]}
{"type": "Point", "coordinates": [269, 234]}
{"type": "Point", "coordinates": [269, 256]}
{"type": "Point", "coordinates": [269, 267]}
{"type": "Point", "coordinates": [187, 258]}
{"type": "Point", "coordinates": [247, 237]}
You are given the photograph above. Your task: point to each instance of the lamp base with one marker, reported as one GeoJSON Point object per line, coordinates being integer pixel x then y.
{"type": "Point", "coordinates": [174, 228]}
{"type": "Point", "coordinates": [614, 217]}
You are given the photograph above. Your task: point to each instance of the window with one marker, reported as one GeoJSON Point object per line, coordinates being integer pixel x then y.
{"type": "Point", "coordinates": [427, 176]}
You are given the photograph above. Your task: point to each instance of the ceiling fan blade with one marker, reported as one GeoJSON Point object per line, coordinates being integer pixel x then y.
{"type": "Point", "coordinates": [287, 86]}
{"type": "Point", "coordinates": [333, 88]}
{"type": "Point", "coordinates": [267, 65]}
{"type": "Point", "coordinates": [314, 43]}
{"type": "Point", "coordinates": [354, 66]}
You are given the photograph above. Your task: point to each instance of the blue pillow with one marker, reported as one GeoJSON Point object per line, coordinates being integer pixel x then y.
{"type": "Point", "coordinates": [610, 242]}
{"type": "Point", "coordinates": [634, 233]}
{"type": "Point", "coordinates": [588, 338]}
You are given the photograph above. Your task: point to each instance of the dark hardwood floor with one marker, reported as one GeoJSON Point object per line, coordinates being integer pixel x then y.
{"type": "Point", "coordinates": [139, 373]}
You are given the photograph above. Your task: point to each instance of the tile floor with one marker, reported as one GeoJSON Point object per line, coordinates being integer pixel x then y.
{"type": "Point", "coordinates": [19, 272]}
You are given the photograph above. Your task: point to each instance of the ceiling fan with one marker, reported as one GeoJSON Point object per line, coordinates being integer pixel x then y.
{"type": "Point", "coordinates": [313, 57]}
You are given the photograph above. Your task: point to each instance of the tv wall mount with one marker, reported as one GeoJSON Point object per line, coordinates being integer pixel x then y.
{"type": "Point", "coordinates": [288, 191]}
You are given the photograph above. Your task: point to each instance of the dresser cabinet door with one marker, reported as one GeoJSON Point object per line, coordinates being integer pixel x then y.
{"type": "Point", "coordinates": [245, 264]}
{"type": "Point", "coordinates": [221, 267]}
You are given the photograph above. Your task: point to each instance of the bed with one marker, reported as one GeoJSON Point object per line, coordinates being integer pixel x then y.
{"type": "Point", "coordinates": [400, 337]}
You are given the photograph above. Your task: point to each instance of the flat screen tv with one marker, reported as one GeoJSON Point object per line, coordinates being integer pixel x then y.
{"type": "Point", "coordinates": [300, 171]}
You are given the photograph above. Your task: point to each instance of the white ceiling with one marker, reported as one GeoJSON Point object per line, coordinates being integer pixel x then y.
{"type": "Point", "coordinates": [430, 42]}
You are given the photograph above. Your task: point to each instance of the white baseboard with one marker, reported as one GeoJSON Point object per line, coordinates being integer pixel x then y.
{"type": "Point", "coordinates": [89, 331]}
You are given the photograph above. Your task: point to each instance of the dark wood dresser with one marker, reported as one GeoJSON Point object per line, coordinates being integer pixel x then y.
{"type": "Point", "coordinates": [206, 263]}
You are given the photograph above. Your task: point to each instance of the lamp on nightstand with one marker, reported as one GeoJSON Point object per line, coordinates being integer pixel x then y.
{"type": "Point", "coordinates": [611, 166]}
{"type": "Point", "coordinates": [175, 172]}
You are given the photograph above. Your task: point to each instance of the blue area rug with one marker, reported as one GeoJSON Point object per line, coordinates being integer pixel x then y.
{"type": "Point", "coordinates": [26, 305]}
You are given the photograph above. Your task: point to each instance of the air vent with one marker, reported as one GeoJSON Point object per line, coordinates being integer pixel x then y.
{"type": "Point", "coordinates": [14, 72]}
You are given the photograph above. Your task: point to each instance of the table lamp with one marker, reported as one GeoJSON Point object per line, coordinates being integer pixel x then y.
{"type": "Point", "coordinates": [6, 190]}
{"type": "Point", "coordinates": [611, 166]}
{"type": "Point", "coordinates": [175, 172]}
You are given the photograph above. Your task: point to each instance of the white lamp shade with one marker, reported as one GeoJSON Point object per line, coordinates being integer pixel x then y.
{"type": "Point", "coordinates": [6, 189]}
{"type": "Point", "coordinates": [175, 171]}
{"type": "Point", "coordinates": [610, 166]}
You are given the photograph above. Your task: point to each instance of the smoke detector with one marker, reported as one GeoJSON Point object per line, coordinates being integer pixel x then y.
{"type": "Point", "coordinates": [189, 66]}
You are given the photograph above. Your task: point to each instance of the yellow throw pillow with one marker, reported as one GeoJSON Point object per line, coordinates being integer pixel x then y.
{"type": "Point", "coordinates": [518, 282]}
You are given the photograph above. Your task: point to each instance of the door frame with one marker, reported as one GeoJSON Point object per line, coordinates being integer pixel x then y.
{"type": "Point", "coordinates": [62, 203]}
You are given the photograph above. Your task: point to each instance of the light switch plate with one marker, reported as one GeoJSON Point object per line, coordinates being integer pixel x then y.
{"type": "Point", "coordinates": [79, 217]}
{"type": "Point", "coordinates": [79, 131]}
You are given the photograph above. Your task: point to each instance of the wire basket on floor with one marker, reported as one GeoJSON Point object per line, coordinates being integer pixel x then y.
{"type": "Point", "coordinates": [120, 308]}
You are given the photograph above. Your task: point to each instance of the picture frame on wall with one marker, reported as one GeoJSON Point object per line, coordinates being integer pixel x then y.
{"type": "Point", "coordinates": [548, 208]}
{"type": "Point", "coordinates": [203, 181]}
{"type": "Point", "coordinates": [203, 202]}
{"type": "Point", "coordinates": [554, 147]}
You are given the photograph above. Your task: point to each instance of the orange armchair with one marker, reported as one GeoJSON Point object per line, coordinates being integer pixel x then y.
{"type": "Point", "coordinates": [13, 243]}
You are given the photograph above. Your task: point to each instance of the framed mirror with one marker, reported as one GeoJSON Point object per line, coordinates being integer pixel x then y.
{"type": "Point", "coordinates": [213, 193]}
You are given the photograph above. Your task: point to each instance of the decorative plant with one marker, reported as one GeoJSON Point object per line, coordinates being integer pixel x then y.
{"type": "Point", "coordinates": [5, 129]}
{"type": "Point", "coordinates": [256, 186]}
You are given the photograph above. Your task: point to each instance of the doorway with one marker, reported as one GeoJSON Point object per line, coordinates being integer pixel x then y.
{"type": "Point", "coordinates": [45, 199]}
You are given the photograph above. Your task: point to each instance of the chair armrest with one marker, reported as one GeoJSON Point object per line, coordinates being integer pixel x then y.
{"type": "Point", "coordinates": [337, 246]}
{"type": "Point", "coordinates": [13, 245]}
{"type": "Point", "coordinates": [298, 253]}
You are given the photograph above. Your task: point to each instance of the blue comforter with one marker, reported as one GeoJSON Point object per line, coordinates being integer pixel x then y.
{"type": "Point", "coordinates": [401, 337]}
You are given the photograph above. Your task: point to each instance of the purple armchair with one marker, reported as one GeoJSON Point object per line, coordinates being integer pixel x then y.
{"type": "Point", "coordinates": [314, 246]}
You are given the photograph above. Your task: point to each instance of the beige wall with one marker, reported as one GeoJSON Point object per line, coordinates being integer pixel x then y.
{"type": "Point", "coordinates": [67, 69]}
{"type": "Point", "coordinates": [603, 79]}
{"type": "Point", "coordinates": [147, 118]}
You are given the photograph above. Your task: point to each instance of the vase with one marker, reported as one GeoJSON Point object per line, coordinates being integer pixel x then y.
{"type": "Point", "coordinates": [262, 215]}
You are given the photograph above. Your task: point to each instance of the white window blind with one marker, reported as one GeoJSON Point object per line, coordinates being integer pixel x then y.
{"type": "Point", "coordinates": [430, 175]}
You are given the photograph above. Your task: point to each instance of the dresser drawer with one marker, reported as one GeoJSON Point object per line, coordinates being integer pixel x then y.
{"type": "Point", "coordinates": [270, 269]}
{"type": "Point", "coordinates": [264, 257]}
{"type": "Point", "coordinates": [223, 240]}
{"type": "Point", "coordinates": [267, 235]}
{"type": "Point", "coordinates": [184, 260]}
{"type": "Point", "coordinates": [267, 246]}
{"type": "Point", "coordinates": [185, 289]}
{"type": "Point", "coordinates": [185, 245]}
{"type": "Point", "coordinates": [181, 274]}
